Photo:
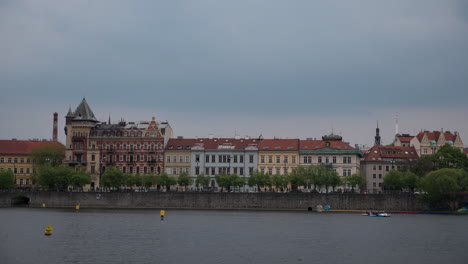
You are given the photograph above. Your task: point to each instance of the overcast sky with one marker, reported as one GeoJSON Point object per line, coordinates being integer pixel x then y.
{"type": "Point", "coordinates": [278, 68]}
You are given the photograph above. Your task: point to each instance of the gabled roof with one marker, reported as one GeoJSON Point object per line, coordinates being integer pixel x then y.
{"type": "Point", "coordinates": [83, 112]}
{"type": "Point", "coordinates": [390, 152]}
{"type": "Point", "coordinates": [24, 147]}
{"type": "Point", "coordinates": [279, 145]}
{"type": "Point", "coordinates": [406, 138]}
{"type": "Point", "coordinates": [434, 135]}
{"type": "Point", "coordinates": [180, 143]}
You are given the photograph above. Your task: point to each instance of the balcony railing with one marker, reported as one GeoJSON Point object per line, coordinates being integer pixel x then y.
{"type": "Point", "coordinates": [76, 162]}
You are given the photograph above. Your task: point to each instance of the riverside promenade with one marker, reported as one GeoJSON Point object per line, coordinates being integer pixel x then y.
{"type": "Point", "coordinates": [217, 201]}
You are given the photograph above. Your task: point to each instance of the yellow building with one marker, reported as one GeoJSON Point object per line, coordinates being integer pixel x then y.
{"type": "Point", "coordinates": [16, 155]}
{"type": "Point", "coordinates": [278, 156]}
{"type": "Point", "coordinates": [177, 156]}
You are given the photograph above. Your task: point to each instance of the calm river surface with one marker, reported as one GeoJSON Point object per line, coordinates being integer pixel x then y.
{"type": "Point", "coordinates": [138, 236]}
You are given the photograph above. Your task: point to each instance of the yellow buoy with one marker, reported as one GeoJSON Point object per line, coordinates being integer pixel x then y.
{"type": "Point", "coordinates": [48, 230]}
{"type": "Point", "coordinates": [43, 205]}
{"type": "Point", "coordinates": [162, 213]}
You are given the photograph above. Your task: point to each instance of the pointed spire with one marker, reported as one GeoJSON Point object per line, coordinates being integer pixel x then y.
{"type": "Point", "coordinates": [84, 113]}
{"type": "Point", "coordinates": [377, 135]}
{"type": "Point", "coordinates": [70, 113]}
{"type": "Point", "coordinates": [109, 119]}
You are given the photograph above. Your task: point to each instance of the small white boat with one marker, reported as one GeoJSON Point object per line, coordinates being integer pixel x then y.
{"type": "Point", "coordinates": [373, 214]}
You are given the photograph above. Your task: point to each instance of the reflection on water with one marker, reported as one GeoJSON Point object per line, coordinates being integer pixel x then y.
{"type": "Point", "coordinates": [139, 236]}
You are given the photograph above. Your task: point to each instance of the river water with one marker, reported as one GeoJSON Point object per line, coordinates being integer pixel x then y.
{"type": "Point", "coordinates": [186, 236]}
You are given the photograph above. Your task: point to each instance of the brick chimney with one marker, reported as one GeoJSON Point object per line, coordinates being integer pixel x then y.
{"type": "Point", "coordinates": [54, 131]}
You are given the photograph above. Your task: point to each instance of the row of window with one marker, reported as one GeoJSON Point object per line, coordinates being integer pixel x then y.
{"type": "Point", "coordinates": [130, 147]}
{"type": "Point", "coordinates": [130, 158]}
{"type": "Point", "coordinates": [277, 171]}
{"type": "Point", "coordinates": [181, 159]}
{"type": "Point", "coordinates": [387, 168]}
{"type": "Point", "coordinates": [375, 184]}
{"type": "Point", "coordinates": [15, 160]}
{"type": "Point", "coordinates": [226, 170]}
{"type": "Point", "coordinates": [327, 160]}
{"type": "Point", "coordinates": [21, 170]}
{"type": "Point", "coordinates": [176, 171]}
{"type": "Point", "coordinates": [224, 158]}
{"type": "Point", "coordinates": [278, 159]}
{"type": "Point", "coordinates": [346, 172]}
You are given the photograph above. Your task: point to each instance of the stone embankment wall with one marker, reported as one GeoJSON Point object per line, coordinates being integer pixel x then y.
{"type": "Point", "coordinates": [250, 201]}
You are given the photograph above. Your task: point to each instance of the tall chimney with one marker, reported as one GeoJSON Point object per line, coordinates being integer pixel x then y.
{"type": "Point", "coordinates": [54, 131]}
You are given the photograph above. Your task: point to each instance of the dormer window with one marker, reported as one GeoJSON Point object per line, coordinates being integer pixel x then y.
{"type": "Point", "coordinates": [327, 144]}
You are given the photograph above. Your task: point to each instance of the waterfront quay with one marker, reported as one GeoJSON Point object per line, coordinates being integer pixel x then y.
{"type": "Point", "coordinates": [218, 201]}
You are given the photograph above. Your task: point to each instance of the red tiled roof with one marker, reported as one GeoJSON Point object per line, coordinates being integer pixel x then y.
{"type": "Point", "coordinates": [24, 147]}
{"type": "Point", "coordinates": [279, 145]}
{"type": "Point", "coordinates": [387, 152]}
{"type": "Point", "coordinates": [212, 144]}
{"type": "Point", "coordinates": [465, 151]}
{"type": "Point", "coordinates": [434, 135]}
{"type": "Point", "coordinates": [321, 144]}
{"type": "Point", "coordinates": [180, 143]}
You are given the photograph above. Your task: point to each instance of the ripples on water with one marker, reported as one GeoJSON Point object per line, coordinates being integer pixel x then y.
{"type": "Point", "coordinates": [139, 236]}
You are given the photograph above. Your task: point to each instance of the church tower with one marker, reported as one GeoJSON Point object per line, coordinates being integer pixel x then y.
{"type": "Point", "coordinates": [377, 135]}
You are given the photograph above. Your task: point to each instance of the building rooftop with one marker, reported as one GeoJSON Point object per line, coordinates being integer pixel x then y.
{"type": "Point", "coordinates": [390, 152]}
{"type": "Point", "coordinates": [434, 135]}
{"type": "Point", "coordinates": [279, 145]}
{"type": "Point", "coordinates": [25, 147]}
{"type": "Point", "coordinates": [212, 143]}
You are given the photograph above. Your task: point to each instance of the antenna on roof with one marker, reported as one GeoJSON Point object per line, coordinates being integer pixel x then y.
{"type": "Point", "coordinates": [396, 124]}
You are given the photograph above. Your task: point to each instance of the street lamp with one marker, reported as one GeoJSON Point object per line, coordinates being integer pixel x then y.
{"type": "Point", "coordinates": [14, 171]}
{"type": "Point", "coordinates": [100, 174]}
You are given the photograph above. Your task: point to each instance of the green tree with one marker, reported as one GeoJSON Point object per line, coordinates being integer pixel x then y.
{"type": "Point", "coordinates": [148, 180]}
{"type": "Point", "coordinates": [259, 179]}
{"type": "Point", "coordinates": [7, 179]}
{"type": "Point", "coordinates": [280, 181]}
{"type": "Point", "coordinates": [319, 176]}
{"type": "Point", "coordinates": [334, 180]}
{"type": "Point", "coordinates": [113, 178]}
{"type": "Point", "coordinates": [184, 180]}
{"type": "Point", "coordinates": [166, 180]}
{"type": "Point", "coordinates": [223, 181]}
{"type": "Point", "coordinates": [131, 180]}
{"type": "Point", "coordinates": [355, 180]}
{"type": "Point", "coordinates": [51, 154]}
{"type": "Point", "coordinates": [227, 181]}
{"type": "Point", "coordinates": [450, 157]}
{"type": "Point", "coordinates": [444, 185]}
{"type": "Point", "coordinates": [297, 178]}
{"type": "Point", "coordinates": [410, 180]}
{"type": "Point", "coordinates": [202, 180]}
{"type": "Point", "coordinates": [80, 177]}
{"type": "Point", "coordinates": [58, 178]}
{"type": "Point", "coordinates": [422, 166]}
{"type": "Point", "coordinates": [394, 180]}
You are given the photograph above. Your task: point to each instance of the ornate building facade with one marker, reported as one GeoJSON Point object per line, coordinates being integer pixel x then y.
{"type": "Point", "coordinates": [428, 142]}
{"type": "Point", "coordinates": [131, 147]}
{"type": "Point", "coordinates": [332, 152]}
